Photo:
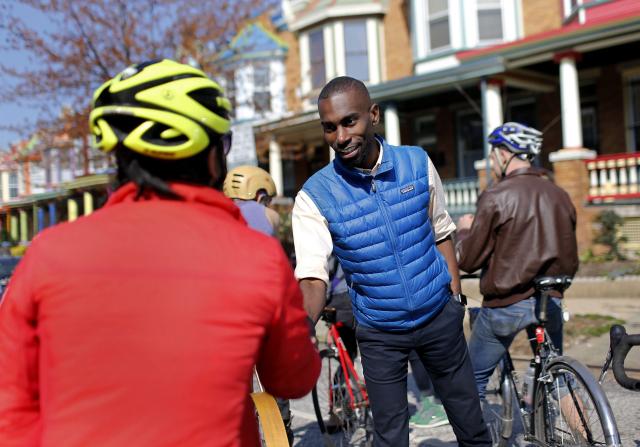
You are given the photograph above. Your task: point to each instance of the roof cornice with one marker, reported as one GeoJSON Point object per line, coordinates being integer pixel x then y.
{"type": "Point", "coordinates": [335, 12]}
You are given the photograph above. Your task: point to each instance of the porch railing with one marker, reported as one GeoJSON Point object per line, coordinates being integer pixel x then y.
{"type": "Point", "coordinates": [614, 178]}
{"type": "Point", "coordinates": [461, 195]}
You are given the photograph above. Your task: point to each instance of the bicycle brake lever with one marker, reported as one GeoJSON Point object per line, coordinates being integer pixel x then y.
{"type": "Point", "coordinates": [605, 367]}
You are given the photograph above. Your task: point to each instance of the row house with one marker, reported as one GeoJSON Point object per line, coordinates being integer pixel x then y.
{"type": "Point", "coordinates": [446, 72]}
{"type": "Point", "coordinates": [252, 72]}
{"type": "Point", "coordinates": [46, 182]}
{"type": "Point", "coordinates": [43, 183]}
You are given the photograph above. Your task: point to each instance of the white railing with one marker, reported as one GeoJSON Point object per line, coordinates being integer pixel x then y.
{"type": "Point", "coordinates": [461, 195]}
{"type": "Point", "coordinates": [614, 178]}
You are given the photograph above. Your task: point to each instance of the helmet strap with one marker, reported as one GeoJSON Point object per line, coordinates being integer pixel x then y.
{"type": "Point", "coordinates": [503, 165]}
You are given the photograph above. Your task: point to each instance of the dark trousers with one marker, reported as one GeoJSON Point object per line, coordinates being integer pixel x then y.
{"type": "Point", "coordinates": [442, 348]}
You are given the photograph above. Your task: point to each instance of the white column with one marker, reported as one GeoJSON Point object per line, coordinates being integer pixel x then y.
{"type": "Point", "coordinates": [275, 165]}
{"type": "Point", "coordinates": [305, 67]}
{"type": "Point", "coordinates": [570, 101]}
{"type": "Point", "coordinates": [491, 114]}
{"type": "Point", "coordinates": [373, 51]}
{"type": "Point", "coordinates": [4, 178]}
{"type": "Point", "coordinates": [493, 100]}
{"type": "Point", "coordinates": [391, 125]}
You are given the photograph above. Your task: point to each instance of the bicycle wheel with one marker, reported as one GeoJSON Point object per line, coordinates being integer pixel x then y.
{"type": "Point", "coordinates": [570, 408]}
{"type": "Point", "coordinates": [341, 423]}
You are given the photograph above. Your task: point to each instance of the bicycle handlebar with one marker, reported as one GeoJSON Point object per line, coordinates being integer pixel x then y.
{"type": "Point", "coordinates": [621, 344]}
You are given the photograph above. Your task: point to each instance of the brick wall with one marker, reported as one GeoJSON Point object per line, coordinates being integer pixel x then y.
{"type": "Point", "coordinates": [541, 15]}
{"type": "Point", "coordinates": [571, 175]}
{"type": "Point", "coordinates": [398, 55]}
{"type": "Point", "coordinates": [293, 76]}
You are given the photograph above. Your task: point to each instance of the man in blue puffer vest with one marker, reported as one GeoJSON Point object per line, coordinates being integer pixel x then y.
{"type": "Point", "coordinates": [380, 210]}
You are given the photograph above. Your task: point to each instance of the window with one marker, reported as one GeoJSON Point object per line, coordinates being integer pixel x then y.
{"type": "Point", "coordinates": [316, 53]}
{"type": "Point", "coordinates": [634, 114]}
{"type": "Point", "coordinates": [355, 49]}
{"type": "Point", "coordinates": [261, 88]}
{"type": "Point", "coordinates": [230, 89]}
{"type": "Point", "coordinates": [13, 185]}
{"type": "Point", "coordinates": [590, 128]}
{"type": "Point", "coordinates": [438, 24]}
{"type": "Point", "coordinates": [489, 20]}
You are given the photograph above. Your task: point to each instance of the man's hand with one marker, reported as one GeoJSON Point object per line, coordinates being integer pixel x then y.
{"type": "Point", "coordinates": [465, 222]}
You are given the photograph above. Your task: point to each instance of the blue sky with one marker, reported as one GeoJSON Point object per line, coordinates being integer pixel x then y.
{"type": "Point", "coordinates": [12, 113]}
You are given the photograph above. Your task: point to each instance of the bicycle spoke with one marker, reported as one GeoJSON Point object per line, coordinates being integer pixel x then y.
{"type": "Point", "coordinates": [569, 415]}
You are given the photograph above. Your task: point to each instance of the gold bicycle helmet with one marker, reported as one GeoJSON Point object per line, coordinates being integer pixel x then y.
{"type": "Point", "coordinates": [244, 182]}
{"type": "Point", "coordinates": [161, 109]}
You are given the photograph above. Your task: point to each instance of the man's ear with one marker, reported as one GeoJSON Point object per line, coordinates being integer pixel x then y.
{"type": "Point", "coordinates": [374, 114]}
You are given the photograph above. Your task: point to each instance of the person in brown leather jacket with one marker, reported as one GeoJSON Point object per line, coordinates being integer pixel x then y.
{"type": "Point", "coordinates": [524, 227]}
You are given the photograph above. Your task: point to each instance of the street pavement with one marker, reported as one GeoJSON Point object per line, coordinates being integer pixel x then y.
{"type": "Point", "coordinates": [625, 404]}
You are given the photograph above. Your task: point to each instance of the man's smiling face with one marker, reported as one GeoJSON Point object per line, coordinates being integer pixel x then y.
{"type": "Point", "coordinates": [348, 119]}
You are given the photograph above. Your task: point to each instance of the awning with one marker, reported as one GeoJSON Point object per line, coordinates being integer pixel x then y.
{"type": "Point", "coordinates": [33, 198]}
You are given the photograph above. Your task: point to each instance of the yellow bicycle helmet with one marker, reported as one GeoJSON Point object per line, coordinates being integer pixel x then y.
{"type": "Point", "coordinates": [244, 182]}
{"type": "Point", "coordinates": [161, 109]}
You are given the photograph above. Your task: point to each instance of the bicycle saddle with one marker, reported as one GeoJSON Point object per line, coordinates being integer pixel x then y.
{"type": "Point", "coordinates": [560, 283]}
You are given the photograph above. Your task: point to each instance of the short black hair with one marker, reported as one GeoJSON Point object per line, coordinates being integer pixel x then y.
{"type": "Point", "coordinates": [342, 84]}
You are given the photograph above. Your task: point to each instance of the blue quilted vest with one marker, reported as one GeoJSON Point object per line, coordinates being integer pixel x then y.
{"type": "Point", "coordinates": [382, 235]}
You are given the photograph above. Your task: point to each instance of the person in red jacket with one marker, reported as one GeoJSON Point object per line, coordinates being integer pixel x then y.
{"type": "Point", "coordinates": [140, 324]}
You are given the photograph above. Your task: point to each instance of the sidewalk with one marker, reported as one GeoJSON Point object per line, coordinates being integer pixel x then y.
{"type": "Point", "coordinates": [595, 351]}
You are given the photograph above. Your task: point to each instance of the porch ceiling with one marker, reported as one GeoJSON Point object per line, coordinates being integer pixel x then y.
{"type": "Point", "coordinates": [304, 126]}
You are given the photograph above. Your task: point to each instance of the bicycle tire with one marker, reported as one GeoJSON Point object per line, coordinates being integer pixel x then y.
{"type": "Point", "coordinates": [570, 408]}
{"type": "Point", "coordinates": [331, 400]}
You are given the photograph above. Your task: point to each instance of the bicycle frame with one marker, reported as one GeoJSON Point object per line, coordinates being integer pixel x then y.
{"type": "Point", "coordinates": [349, 370]}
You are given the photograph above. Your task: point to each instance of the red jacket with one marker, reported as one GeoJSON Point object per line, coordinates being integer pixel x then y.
{"type": "Point", "coordinates": [140, 324]}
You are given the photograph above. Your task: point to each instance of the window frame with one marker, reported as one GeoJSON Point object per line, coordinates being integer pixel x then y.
{"type": "Point", "coordinates": [313, 62]}
{"type": "Point", "coordinates": [262, 89]}
{"type": "Point", "coordinates": [496, 5]}
{"type": "Point", "coordinates": [347, 52]}
{"type": "Point", "coordinates": [434, 17]}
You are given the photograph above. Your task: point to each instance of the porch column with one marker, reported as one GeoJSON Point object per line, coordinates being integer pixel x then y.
{"type": "Point", "coordinates": [275, 164]}
{"type": "Point", "coordinates": [491, 92]}
{"type": "Point", "coordinates": [15, 226]}
{"type": "Point", "coordinates": [41, 219]}
{"type": "Point", "coordinates": [570, 99]}
{"type": "Point", "coordinates": [87, 200]}
{"type": "Point", "coordinates": [570, 172]}
{"type": "Point", "coordinates": [72, 210]}
{"type": "Point", "coordinates": [391, 124]}
{"type": "Point", "coordinates": [24, 226]}
{"type": "Point", "coordinates": [52, 214]}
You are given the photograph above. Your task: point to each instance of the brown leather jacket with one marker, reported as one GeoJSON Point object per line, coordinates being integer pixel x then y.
{"type": "Point", "coordinates": [524, 227]}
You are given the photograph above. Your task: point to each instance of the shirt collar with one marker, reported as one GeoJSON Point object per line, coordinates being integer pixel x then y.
{"type": "Point", "coordinates": [382, 164]}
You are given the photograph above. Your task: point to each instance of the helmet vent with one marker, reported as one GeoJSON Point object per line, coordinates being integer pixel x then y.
{"type": "Point", "coordinates": [208, 97]}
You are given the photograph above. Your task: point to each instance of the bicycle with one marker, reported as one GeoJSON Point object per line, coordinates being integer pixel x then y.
{"type": "Point", "coordinates": [270, 425]}
{"type": "Point", "coordinates": [561, 403]}
{"type": "Point", "coordinates": [619, 346]}
{"type": "Point", "coordinates": [343, 395]}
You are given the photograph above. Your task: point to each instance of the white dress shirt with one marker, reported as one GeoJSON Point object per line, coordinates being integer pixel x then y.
{"type": "Point", "coordinates": [312, 239]}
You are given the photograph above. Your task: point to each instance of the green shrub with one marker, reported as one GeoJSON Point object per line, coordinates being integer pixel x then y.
{"type": "Point", "coordinates": [609, 235]}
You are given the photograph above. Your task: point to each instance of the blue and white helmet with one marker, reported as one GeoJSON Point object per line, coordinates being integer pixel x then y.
{"type": "Point", "coordinates": [517, 138]}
